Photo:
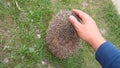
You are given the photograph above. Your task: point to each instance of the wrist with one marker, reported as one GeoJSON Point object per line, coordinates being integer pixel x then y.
{"type": "Point", "coordinates": [96, 43]}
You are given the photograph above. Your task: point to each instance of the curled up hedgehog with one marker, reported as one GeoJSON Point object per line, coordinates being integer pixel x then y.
{"type": "Point", "coordinates": [61, 38]}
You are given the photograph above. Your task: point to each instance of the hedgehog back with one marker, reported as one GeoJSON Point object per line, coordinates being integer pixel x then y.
{"type": "Point", "coordinates": [61, 38]}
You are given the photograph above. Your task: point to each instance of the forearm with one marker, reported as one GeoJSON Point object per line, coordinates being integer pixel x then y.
{"type": "Point", "coordinates": [97, 42]}
{"type": "Point", "coordinates": [108, 55]}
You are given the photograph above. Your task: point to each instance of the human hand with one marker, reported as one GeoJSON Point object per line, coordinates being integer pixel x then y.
{"type": "Point", "coordinates": [87, 30]}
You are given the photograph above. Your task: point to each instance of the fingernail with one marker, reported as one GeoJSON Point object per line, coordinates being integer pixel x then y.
{"type": "Point", "coordinates": [71, 17]}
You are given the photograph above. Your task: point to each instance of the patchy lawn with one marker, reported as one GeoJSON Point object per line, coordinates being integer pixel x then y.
{"type": "Point", "coordinates": [23, 25]}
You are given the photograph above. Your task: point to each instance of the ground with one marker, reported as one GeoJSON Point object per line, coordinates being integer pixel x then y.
{"type": "Point", "coordinates": [23, 25]}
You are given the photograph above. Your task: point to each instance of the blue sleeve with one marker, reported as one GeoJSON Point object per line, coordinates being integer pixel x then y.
{"type": "Point", "coordinates": [108, 55]}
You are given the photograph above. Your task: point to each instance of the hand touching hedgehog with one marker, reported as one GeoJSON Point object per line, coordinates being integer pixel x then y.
{"type": "Point", "coordinates": [105, 52]}
{"type": "Point", "coordinates": [63, 39]}
{"type": "Point", "coordinates": [65, 30]}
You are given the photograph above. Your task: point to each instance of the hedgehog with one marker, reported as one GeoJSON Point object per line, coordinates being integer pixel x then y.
{"type": "Point", "coordinates": [61, 38]}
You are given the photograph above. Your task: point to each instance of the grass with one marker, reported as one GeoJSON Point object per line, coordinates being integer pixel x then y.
{"type": "Point", "coordinates": [23, 25]}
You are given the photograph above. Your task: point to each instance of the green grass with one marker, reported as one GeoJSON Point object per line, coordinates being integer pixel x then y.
{"type": "Point", "coordinates": [112, 19]}
{"type": "Point", "coordinates": [22, 20]}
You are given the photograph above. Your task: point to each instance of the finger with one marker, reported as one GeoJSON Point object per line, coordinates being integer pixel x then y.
{"type": "Point", "coordinates": [75, 22]}
{"type": "Point", "coordinates": [82, 15]}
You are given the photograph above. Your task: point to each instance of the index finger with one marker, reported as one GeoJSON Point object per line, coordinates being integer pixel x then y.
{"type": "Point", "coordinates": [84, 16]}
